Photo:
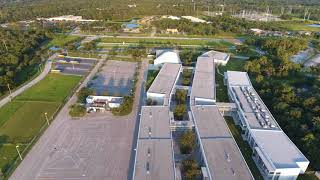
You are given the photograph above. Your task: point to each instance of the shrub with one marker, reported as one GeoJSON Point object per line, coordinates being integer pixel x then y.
{"type": "Point", "coordinates": [77, 110]}
{"type": "Point", "coordinates": [190, 169]}
{"type": "Point", "coordinates": [125, 108]}
{"type": "Point", "coordinates": [179, 111]}
{"type": "Point", "coordinates": [84, 93]}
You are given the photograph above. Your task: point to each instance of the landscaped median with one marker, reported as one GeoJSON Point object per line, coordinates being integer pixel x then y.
{"type": "Point", "coordinates": [24, 119]}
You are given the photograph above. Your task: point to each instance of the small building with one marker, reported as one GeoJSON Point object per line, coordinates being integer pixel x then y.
{"type": "Point", "coordinates": [66, 18]}
{"type": "Point", "coordinates": [166, 56]}
{"type": "Point", "coordinates": [102, 103]}
{"type": "Point", "coordinates": [218, 57]}
{"type": "Point", "coordinates": [256, 31]}
{"type": "Point", "coordinates": [172, 31]}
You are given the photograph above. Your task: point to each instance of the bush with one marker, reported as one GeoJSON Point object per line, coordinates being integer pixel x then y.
{"type": "Point", "coordinates": [181, 96]}
{"type": "Point", "coordinates": [187, 142]}
{"type": "Point", "coordinates": [179, 111]}
{"type": "Point", "coordinates": [84, 93]}
{"type": "Point", "coordinates": [125, 108]}
{"type": "Point", "coordinates": [186, 82]}
{"type": "Point", "coordinates": [190, 169]}
{"type": "Point", "coordinates": [77, 110]}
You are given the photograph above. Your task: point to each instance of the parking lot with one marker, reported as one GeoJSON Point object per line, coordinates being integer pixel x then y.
{"type": "Point", "coordinates": [73, 66]}
{"type": "Point", "coordinates": [115, 78]}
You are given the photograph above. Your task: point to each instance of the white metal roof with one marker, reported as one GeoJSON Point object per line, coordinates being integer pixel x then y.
{"type": "Point", "coordinates": [237, 78]}
{"type": "Point", "coordinates": [167, 57]}
{"type": "Point", "coordinates": [277, 148]}
{"type": "Point", "coordinates": [216, 55]}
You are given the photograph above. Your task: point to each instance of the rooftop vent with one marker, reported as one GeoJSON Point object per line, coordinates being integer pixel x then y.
{"type": "Point", "coordinates": [148, 167]}
{"type": "Point", "coordinates": [149, 131]}
{"type": "Point", "coordinates": [149, 152]}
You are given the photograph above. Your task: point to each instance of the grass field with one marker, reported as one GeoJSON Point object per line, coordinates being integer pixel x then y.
{"type": "Point", "coordinates": [61, 40]}
{"type": "Point", "coordinates": [150, 41]}
{"type": "Point", "coordinates": [22, 119]}
{"type": "Point", "coordinates": [233, 65]}
{"type": "Point", "coordinates": [298, 26]}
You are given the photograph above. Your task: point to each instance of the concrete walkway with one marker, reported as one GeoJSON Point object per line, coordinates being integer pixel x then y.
{"type": "Point", "coordinates": [43, 74]}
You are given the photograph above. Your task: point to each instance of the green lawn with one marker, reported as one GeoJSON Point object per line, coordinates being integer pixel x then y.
{"type": "Point", "coordinates": [54, 88]}
{"type": "Point", "coordinates": [152, 74]}
{"type": "Point", "coordinates": [61, 40]}
{"type": "Point", "coordinates": [244, 148]}
{"type": "Point", "coordinates": [298, 26]}
{"type": "Point", "coordinates": [233, 65]}
{"type": "Point", "coordinates": [150, 41]}
{"type": "Point", "coordinates": [83, 54]}
{"type": "Point", "coordinates": [22, 119]}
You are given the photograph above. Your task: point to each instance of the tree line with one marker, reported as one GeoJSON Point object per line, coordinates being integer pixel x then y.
{"type": "Point", "coordinates": [20, 56]}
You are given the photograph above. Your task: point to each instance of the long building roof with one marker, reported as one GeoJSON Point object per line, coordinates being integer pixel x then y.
{"type": "Point", "coordinates": [154, 158]}
{"type": "Point", "coordinates": [203, 85]}
{"type": "Point", "coordinates": [165, 80]}
{"type": "Point", "coordinates": [223, 158]}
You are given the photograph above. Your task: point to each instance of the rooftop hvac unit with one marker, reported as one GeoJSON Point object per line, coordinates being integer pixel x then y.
{"type": "Point", "coordinates": [266, 116]}
{"type": "Point", "coordinates": [258, 115]}
{"type": "Point", "coordinates": [263, 110]}
{"type": "Point", "coordinates": [273, 126]}
{"type": "Point", "coordinates": [242, 88]}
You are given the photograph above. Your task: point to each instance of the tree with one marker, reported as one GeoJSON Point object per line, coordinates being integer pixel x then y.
{"type": "Point", "coordinates": [181, 96]}
{"type": "Point", "coordinates": [179, 111]}
{"type": "Point", "coordinates": [84, 93]}
{"type": "Point", "coordinates": [190, 169]}
{"type": "Point", "coordinates": [77, 110]}
{"type": "Point", "coordinates": [187, 142]}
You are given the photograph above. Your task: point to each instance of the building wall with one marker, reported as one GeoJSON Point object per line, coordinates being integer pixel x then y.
{"type": "Point", "coordinates": [203, 101]}
{"type": "Point", "coordinates": [159, 98]}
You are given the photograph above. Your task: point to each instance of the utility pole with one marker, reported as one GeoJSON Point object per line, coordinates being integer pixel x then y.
{"type": "Point", "coordinates": [46, 115]}
{"type": "Point", "coordinates": [17, 146]}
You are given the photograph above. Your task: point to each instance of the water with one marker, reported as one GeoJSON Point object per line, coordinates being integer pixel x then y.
{"type": "Point", "coordinates": [314, 25]}
{"type": "Point", "coordinates": [132, 25]}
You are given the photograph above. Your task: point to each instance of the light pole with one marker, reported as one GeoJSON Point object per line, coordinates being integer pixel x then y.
{"type": "Point", "coordinates": [9, 91]}
{"type": "Point", "coordinates": [17, 146]}
{"type": "Point", "coordinates": [46, 114]}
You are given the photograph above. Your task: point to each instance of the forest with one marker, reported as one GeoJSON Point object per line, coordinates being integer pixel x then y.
{"type": "Point", "coordinates": [218, 24]}
{"type": "Point", "coordinates": [12, 10]}
{"type": "Point", "coordinates": [20, 56]}
{"type": "Point", "coordinates": [290, 91]}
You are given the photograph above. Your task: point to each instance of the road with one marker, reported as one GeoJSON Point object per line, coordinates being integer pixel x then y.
{"type": "Point", "coordinates": [43, 74]}
{"type": "Point", "coordinates": [93, 148]}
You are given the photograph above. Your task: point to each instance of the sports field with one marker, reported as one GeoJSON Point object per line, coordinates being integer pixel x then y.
{"type": "Point", "coordinates": [22, 119]}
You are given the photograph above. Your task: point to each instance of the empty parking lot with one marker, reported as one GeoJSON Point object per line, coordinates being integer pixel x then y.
{"type": "Point", "coordinates": [115, 78]}
{"type": "Point", "coordinates": [74, 66]}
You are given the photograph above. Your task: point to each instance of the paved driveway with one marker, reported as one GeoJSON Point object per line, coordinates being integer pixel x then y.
{"type": "Point", "coordinates": [98, 147]}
